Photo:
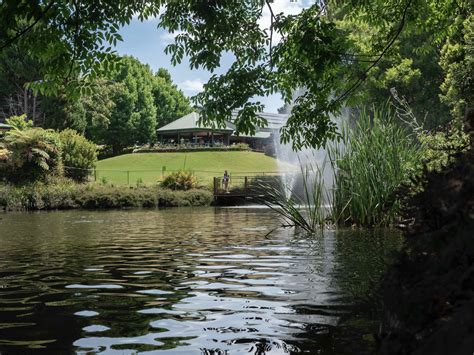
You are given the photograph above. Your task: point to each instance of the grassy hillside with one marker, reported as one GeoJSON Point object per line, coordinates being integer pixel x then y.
{"type": "Point", "coordinates": [148, 166]}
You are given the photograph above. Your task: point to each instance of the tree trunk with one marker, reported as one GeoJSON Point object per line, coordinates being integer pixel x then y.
{"type": "Point", "coordinates": [34, 109]}
{"type": "Point", "coordinates": [25, 101]}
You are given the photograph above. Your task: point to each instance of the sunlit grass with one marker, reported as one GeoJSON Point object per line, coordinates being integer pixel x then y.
{"type": "Point", "coordinates": [152, 167]}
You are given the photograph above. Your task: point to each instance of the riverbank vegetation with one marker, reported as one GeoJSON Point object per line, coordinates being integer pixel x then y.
{"type": "Point", "coordinates": [371, 161]}
{"type": "Point", "coordinates": [378, 155]}
{"type": "Point", "coordinates": [428, 293]}
{"type": "Point", "coordinates": [58, 195]}
{"type": "Point", "coordinates": [387, 149]}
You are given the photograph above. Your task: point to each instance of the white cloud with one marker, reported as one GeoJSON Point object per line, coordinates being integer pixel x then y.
{"type": "Point", "coordinates": [167, 37]}
{"type": "Point", "coordinates": [192, 87]}
{"type": "Point", "coordinates": [287, 7]}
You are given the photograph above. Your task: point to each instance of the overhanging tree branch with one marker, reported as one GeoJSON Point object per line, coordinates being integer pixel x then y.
{"type": "Point", "coordinates": [272, 18]}
{"type": "Point", "coordinates": [28, 28]}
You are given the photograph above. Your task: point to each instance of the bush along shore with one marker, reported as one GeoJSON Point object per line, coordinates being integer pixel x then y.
{"type": "Point", "coordinates": [428, 294]}
{"type": "Point", "coordinates": [65, 195]}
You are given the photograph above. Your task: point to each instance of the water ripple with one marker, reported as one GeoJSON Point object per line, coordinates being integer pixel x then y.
{"type": "Point", "coordinates": [173, 281]}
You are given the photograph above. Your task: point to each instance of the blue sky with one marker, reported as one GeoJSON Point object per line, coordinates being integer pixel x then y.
{"type": "Point", "coordinates": [147, 43]}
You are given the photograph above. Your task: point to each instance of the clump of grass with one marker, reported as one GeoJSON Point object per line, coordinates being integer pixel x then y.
{"type": "Point", "coordinates": [374, 159]}
{"type": "Point", "coordinates": [369, 163]}
{"type": "Point", "coordinates": [306, 210]}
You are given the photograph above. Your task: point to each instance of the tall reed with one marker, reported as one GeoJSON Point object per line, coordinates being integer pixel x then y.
{"type": "Point", "coordinates": [369, 162]}
{"type": "Point", "coordinates": [375, 157]}
{"type": "Point", "coordinates": [305, 209]}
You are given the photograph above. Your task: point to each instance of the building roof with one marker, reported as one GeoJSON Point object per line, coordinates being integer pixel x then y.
{"type": "Point", "coordinates": [190, 123]}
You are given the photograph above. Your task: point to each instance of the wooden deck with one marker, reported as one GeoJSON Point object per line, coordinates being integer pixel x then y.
{"type": "Point", "coordinates": [242, 186]}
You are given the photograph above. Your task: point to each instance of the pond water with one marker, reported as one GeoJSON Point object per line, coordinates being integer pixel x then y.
{"type": "Point", "coordinates": [178, 281]}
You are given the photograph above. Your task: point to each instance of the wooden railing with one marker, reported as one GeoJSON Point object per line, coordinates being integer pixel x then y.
{"type": "Point", "coordinates": [244, 186]}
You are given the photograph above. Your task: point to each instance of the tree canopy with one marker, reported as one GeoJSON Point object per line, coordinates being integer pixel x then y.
{"type": "Point", "coordinates": [72, 39]}
{"type": "Point", "coordinates": [319, 51]}
{"type": "Point", "coordinates": [336, 50]}
{"type": "Point", "coordinates": [124, 106]}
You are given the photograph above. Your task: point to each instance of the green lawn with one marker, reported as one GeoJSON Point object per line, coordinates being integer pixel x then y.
{"type": "Point", "coordinates": [148, 166]}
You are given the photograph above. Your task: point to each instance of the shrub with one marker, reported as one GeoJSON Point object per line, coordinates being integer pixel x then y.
{"type": "Point", "coordinates": [30, 155]}
{"type": "Point", "coordinates": [38, 196]}
{"type": "Point", "coordinates": [99, 196]}
{"type": "Point", "coordinates": [79, 155]}
{"type": "Point", "coordinates": [19, 122]}
{"type": "Point", "coordinates": [180, 180]}
{"type": "Point", "coordinates": [196, 197]}
{"type": "Point", "coordinates": [64, 194]}
{"type": "Point", "coordinates": [439, 148]}
{"type": "Point", "coordinates": [240, 146]}
{"type": "Point", "coordinates": [182, 148]}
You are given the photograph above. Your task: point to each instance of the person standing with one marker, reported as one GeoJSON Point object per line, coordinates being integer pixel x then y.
{"type": "Point", "coordinates": [225, 181]}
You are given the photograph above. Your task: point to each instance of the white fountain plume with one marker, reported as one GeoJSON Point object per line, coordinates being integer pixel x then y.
{"type": "Point", "coordinates": [304, 161]}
